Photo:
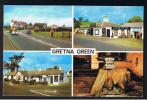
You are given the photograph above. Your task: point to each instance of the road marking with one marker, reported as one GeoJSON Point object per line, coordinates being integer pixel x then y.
{"type": "Point", "coordinates": [39, 93]}
{"type": "Point", "coordinates": [37, 40]}
{"type": "Point", "coordinates": [11, 43]}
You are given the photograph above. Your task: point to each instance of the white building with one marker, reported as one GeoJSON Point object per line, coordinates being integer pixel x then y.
{"type": "Point", "coordinates": [112, 30]}
{"type": "Point", "coordinates": [135, 28]}
{"type": "Point", "coordinates": [51, 76]}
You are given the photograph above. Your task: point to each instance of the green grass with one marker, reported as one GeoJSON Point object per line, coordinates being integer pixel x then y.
{"type": "Point", "coordinates": [86, 24]}
{"type": "Point", "coordinates": [24, 90]}
{"type": "Point", "coordinates": [58, 35]}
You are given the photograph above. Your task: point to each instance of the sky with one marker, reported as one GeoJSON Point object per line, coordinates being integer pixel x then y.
{"type": "Point", "coordinates": [116, 14]}
{"type": "Point", "coordinates": [40, 60]}
{"type": "Point", "coordinates": [59, 15]}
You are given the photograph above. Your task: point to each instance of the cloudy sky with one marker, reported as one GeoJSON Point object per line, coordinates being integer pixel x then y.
{"type": "Point", "coordinates": [59, 15]}
{"type": "Point", "coordinates": [40, 60]}
{"type": "Point", "coordinates": [116, 14]}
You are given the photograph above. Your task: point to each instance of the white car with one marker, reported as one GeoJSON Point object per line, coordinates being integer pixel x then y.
{"type": "Point", "coordinates": [14, 33]}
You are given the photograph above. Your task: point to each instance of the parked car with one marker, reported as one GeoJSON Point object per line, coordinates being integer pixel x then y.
{"type": "Point", "coordinates": [28, 31]}
{"type": "Point", "coordinates": [14, 33]}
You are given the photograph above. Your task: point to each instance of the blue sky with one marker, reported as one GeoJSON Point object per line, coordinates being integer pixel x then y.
{"type": "Point", "coordinates": [41, 60]}
{"type": "Point", "coordinates": [116, 14]}
{"type": "Point", "coordinates": [58, 15]}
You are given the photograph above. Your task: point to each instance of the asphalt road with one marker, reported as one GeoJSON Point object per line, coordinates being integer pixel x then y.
{"type": "Point", "coordinates": [30, 42]}
{"type": "Point", "coordinates": [99, 45]}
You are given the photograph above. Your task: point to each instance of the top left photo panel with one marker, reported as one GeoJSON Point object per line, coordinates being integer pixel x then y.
{"type": "Point", "coordinates": [37, 27]}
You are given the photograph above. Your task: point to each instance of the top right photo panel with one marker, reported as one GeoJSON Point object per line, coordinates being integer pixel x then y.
{"type": "Point", "coordinates": [109, 28]}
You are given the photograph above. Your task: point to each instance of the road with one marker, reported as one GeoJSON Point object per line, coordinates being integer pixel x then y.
{"type": "Point", "coordinates": [8, 45]}
{"type": "Point", "coordinates": [102, 44]}
{"type": "Point", "coordinates": [33, 42]}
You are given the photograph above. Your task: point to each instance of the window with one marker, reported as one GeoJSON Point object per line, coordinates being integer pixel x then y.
{"type": "Point", "coordinates": [55, 78]}
{"type": "Point", "coordinates": [40, 78]}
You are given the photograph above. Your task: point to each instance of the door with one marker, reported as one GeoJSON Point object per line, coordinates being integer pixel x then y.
{"type": "Point", "coordinates": [51, 79]}
{"type": "Point", "coordinates": [104, 31]}
{"type": "Point", "coordinates": [108, 32]}
{"type": "Point", "coordinates": [91, 33]}
{"type": "Point", "coordinates": [96, 31]}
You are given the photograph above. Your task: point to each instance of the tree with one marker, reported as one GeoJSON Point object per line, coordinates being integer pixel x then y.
{"type": "Point", "coordinates": [86, 20]}
{"type": "Point", "coordinates": [30, 24]}
{"type": "Point", "coordinates": [7, 66]}
{"type": "Point", "coordinates": [135, 19]}
{"type": "Point", "coordinates": [77, 23]}
{"type": "Point", "coordinates": [80, 19]}
{"type": "Point", "coordinates": [13, 64]}
{"type": "Point", "coordinates": [40, 25]}
{"type": "Point", "coordinates": [49, 68]}
{"type": "Point", "coordinates": [93, 25]}
{"type": "Point", "coordinates": [56, 67]}
{"type": "Point", "coordinates": [63, 26]}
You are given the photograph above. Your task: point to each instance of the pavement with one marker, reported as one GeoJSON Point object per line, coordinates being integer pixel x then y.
{"type": "Point", "coordinates": [24, 41]}
{"type": "Point", "coordinates": [8, 45]}
{"type": "Point", "coordinates": [101, 44]}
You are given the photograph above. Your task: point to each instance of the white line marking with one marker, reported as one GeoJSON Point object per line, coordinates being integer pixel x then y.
{"type": "Point", "coordinates": [11, 43]}
{"type": "Point", "coordinates": [37, 40]}
{"type": "Point", "coordinates": [39, 93]}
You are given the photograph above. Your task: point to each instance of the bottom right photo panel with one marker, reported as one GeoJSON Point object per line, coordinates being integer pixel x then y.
{"type": "Point", "coordinates": [108, 74]}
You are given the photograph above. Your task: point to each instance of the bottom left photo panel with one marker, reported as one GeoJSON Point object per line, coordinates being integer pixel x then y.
{"type": "Point", "coordinates": [36, 74]}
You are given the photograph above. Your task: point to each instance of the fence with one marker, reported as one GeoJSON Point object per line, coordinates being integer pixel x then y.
{"type": "Point", "coordinates": [61, 35]}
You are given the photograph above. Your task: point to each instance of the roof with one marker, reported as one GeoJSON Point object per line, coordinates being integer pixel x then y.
{"type": "Point", "coordinates": [25, 73]}
{"type": "Point", "coordinates": [108, 24]}
{"type": "Point", "coordinates": [11, 73]}
{"type": "Point", "coordinates": [36, 73]}
{"type": "Point", "coordinates": [46, 72]}
{"type": "Point", "coordinates": [135, 24]}
{"type": "Point", "coordinates": [54, 26]}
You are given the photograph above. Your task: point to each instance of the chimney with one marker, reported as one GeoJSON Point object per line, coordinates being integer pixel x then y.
{"type": "Point", "coordinates": [60, 68]}
{"type": "Point", "coordinates": [105, 19]}
{"type": "Point", "coordinates": [39, 69]}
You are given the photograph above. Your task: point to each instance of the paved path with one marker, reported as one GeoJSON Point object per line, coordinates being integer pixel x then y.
{"type": "Point", "coordinates": [31, 42]}
{"type": "Point", "coordinates": [100, 45]}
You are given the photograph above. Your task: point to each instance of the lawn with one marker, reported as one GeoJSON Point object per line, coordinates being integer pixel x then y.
{"type": "Point", "coordinates": [42, 90]}
{"type": "Point", "coordinates": [86, 24]}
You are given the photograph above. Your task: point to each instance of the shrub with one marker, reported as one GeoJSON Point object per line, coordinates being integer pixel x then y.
{"type": "Point", "coordinates": [42, 83]}
{"type": "Point", "coordinates": [26, 81]}
{"type": "Point", "coordinates": [6, 80]}
{"type": "Point", "coordinates": [42, 29]}
{"type": "Point", "coordinates": [32, 82]}
{"type": "Point", "coordinates": [14, 81]}
{"type": "Point", "coordinates": [36, 29]}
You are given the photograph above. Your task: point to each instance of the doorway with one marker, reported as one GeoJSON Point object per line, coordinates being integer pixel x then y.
{"type": "Point", "coordinates": [96, 31]}
{"type": "Point", "coordinates": [108, 32]}
{"type": "Point", "coordinates": [51, 79]}
{"type": "Point", "coordinates": [104, 31]}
